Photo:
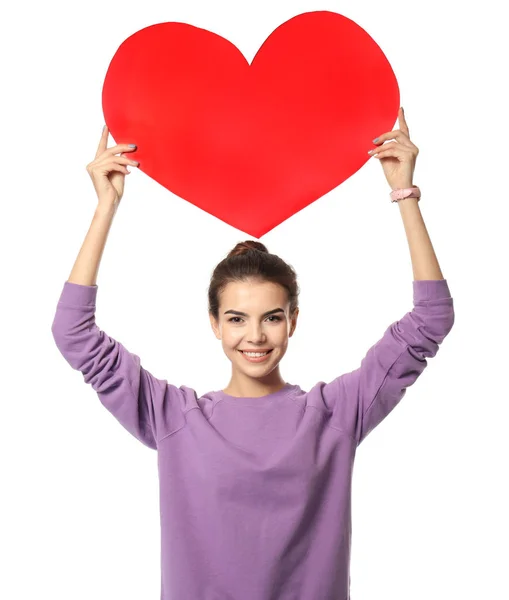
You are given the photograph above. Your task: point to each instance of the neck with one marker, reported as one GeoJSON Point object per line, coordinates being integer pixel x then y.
{"type": "Point", "coordinates": [250, 387]}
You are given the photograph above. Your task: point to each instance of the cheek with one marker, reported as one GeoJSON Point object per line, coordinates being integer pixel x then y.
{"type": "Point", "coordinates": [231, 338]}
{"type": "Point", "coordinates": [281, 335]}
{"type": "Point", "coordinates": [284, 344]}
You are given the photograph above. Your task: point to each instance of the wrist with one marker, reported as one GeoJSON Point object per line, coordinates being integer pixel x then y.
{"type": "Point", "coordinates": [409, 191]}
{"type": "Point", "coordinates": [402, 185]}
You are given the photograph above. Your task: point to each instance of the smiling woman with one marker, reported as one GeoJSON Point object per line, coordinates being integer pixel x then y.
{"type": "Point", "coordinates": [255, 489]}
{"type": "Point", "coordinates": [261, 290]}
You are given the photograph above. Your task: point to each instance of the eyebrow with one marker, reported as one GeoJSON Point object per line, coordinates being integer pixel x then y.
{"type": "Point", "coordinates": [243, 314]}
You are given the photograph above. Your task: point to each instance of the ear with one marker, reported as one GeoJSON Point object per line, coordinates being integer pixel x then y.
{"type": "Point", "coordinates": [214, 326]}
{"type": "Point", "coordinates": [294, 322]}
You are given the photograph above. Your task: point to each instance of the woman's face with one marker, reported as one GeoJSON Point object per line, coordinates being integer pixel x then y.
{"type": "Point", "coordinates": [255, 330]}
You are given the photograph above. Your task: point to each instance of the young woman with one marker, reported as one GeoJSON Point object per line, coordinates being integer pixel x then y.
{"type": "Point", "coordinates": [255, 479]}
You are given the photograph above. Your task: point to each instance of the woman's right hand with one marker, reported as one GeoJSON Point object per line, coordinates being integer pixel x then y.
{"type": "Point", "coordinates": [108, 172]}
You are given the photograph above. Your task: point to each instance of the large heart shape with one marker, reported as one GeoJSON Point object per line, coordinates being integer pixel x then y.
{"type": "Point", "coordinates": [251, 144]}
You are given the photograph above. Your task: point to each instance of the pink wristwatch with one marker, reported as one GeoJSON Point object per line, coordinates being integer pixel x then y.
{"type": "Point", "coordinates": [399, 194]}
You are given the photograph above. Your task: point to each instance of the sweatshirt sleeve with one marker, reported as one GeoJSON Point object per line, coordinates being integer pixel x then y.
{"type": "Point", "coordinates": [361, 399]}
{"type": "Point", "coordinates": [138, 400]}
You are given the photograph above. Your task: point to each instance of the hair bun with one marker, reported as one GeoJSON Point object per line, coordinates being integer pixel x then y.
{"type": "Point", "coordinates": [250, 262]}
{"type": "Point", "coordinates": [247, 246]}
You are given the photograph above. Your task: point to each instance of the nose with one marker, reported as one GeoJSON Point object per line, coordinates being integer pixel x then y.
{"type": "Point", "coordinates": [256, 335]}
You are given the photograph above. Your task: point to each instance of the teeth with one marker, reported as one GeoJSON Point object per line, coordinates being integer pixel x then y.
{"type": "Point", "coordinates": [255, 354]}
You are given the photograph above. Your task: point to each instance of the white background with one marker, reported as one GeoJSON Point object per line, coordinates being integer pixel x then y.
{"type": "Point", "coordinates": [79, 506]}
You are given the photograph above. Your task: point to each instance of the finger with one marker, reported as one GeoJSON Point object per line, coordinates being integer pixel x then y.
{"type": "Point", "coordinates": [116, 160]}
{"type": "Point", "coordinates": [119, 148]}
{"type": "Point", "coordinates": [103, 141]}
{"type": "Point", "coordinates": [402, 122]}
{"type": "Point", "coordinates": [397, 134]}
{"type": "Point", "coordinates": [122, 148]}
{"type": "Point", "coordinates": [119, 168]}
{"type": "Point", "coordinates": [397, 151]}
{"type": "Point", "coordinates": [386, 146]}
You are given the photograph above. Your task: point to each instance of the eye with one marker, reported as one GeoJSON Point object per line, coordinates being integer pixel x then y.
{"type": "Point", "coordinates": [232, 320]}
{"type": "Point", "coordinates": [275, 317]}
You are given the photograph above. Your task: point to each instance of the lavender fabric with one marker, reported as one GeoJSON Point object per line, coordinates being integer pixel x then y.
{"type": "Point", "coordinates": [255, 493]}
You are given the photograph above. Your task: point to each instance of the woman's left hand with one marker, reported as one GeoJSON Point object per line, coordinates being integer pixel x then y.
{"type": "Point", "coordinates": [397, 158]}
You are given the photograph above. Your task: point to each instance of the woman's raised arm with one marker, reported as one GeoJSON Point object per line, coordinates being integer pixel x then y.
{"type": "Point", "coordinates": [107, 172]}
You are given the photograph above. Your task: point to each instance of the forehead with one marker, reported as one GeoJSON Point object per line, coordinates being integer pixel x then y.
{"type": "Point", "coordinates": [261, 295]}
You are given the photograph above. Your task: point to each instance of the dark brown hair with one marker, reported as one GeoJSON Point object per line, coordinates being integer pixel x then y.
{"type": "Point", "coordinates": [250, 260]}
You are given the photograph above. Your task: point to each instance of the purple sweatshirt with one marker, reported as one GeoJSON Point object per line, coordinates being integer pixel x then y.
{"type": "Point", "coordinates": [254, 492]}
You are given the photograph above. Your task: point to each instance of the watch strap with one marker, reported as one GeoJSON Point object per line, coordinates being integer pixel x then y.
{"type": "Point", "coordinates": [400, 193]}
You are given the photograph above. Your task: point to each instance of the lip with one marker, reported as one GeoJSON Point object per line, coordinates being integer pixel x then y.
{"type": "Point", "coordinates": [255, 360]}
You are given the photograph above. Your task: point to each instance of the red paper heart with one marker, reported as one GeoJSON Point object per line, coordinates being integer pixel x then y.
{"type": "Point", "coordinates": [251, 144]}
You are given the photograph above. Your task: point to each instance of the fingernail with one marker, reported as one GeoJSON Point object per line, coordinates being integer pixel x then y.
{"type": "Point", "coordinates": [375, 140]}
{"type": "Point", "coordinates": [132, 145]}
